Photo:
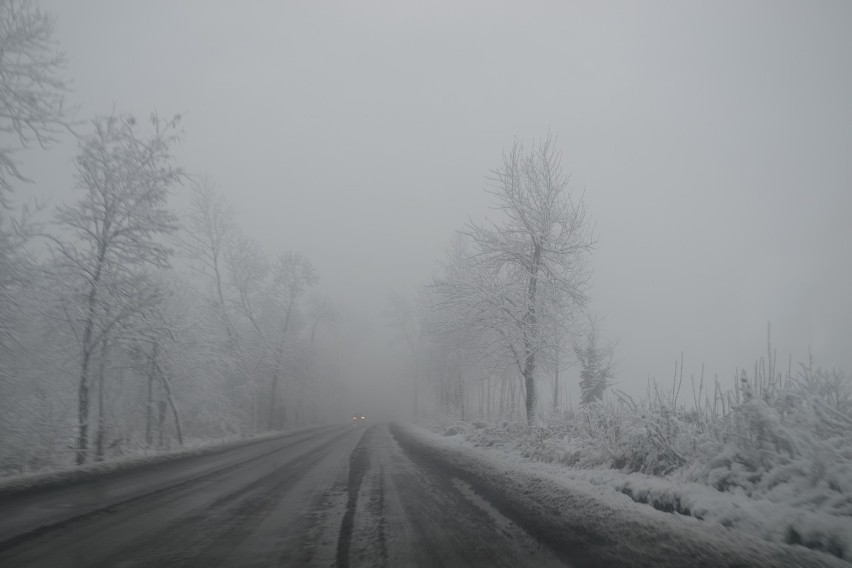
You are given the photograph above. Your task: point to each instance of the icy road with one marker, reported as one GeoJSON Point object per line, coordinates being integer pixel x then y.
{"type": "Point", "coordinates": [375, 495]}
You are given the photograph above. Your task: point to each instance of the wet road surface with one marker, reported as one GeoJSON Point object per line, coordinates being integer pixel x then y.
{"type": "Point", "coordinates": [346, 496]}
{"type": "Point", "coordinates": [341, 496]}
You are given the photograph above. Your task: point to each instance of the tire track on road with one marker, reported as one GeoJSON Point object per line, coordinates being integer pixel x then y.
{"type": "Point", "coordinates": [359, 462]}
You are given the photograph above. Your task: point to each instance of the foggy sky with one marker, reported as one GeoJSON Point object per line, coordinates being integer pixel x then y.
{"type": "Point", "coordinates": [713, 142]}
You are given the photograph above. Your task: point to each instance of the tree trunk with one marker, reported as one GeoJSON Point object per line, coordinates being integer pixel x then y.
{"type": "Point", "coordinates": [460, 394]}
{"type": "Point", "coordinates": [255, 417]}
{"type": "Point", "coordinates": [530, 333]}
{"type": "Point", "coordinates": [149, 409]}
{"type": "Point", "coordinates": [161, 419]}
{"type": "Point", "coordinates": [172, 403]}
{"type": "Point", "coordinates": [556, 384]}
{"type": "Point", "coordinates": [230, 330]}
{"type": "Point", "coordinates": [277, 370]}
{"type": "Point", "coordinates": [83, 412]}
{"type": "Point", "coordinates": [87, 348]}
{"type": "Point", "coordinates": [416, 375]}
{"type": "Point", "coordinates": [271, 425]}
{"type": "Point", "coordinates": [101, 432]}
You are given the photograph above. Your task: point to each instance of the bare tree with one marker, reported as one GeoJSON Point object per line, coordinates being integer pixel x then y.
{"type": "Point", "coordinates": [31, 88]}
{"type": "Point", "coordinates": [16, 272]}
{"type": "Point", "coordinates": [117, 228]}
{"type": "Point", "coordinates": [208, 239]}
{"type": "Point", "coordinates": [528, 268]}
{"type": "Point", "coordinates": [557, 358]}
{"type": "Point", "coordinates": [403, 319]}
{"type": "Point", "coordinates": [292, 275]}
{"type": "Point", "coordinates": [248, 273]}
{"type": "Point", "coordinates": [324, 349]}
{"type": "Point", "coordinates": [322, 310]}
{"type": "Point", "coordinates": [465, 324]}
{"type": "Point", "coordinates": [31, 112]}
{"type": "Point", "coordinates": [248, 269]}
{"type": "Point", "coordinates": [155, 338]}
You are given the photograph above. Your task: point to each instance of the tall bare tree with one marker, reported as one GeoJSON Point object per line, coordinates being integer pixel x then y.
{"type": "Point", "coordinates": [292, 275]}
{"type": "Point", "coordinates": [116, 230]}
{"type": "Point", "coordinates": [465, 323]}
{"type": "Point", "coordinates": [527, 268]}
{"type": "Point", "coordinates": [16, 272]}
{"type": "Point", "coordinates": [403, 318]}
{"type": "Point", "coordinates": [32, 92]}
{"type": "Point", "coordinates": [208, 239]}
{"type": "Point", "coordinates": [248, 269]}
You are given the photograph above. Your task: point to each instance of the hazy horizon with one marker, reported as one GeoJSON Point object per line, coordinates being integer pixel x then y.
{"type": "Point", "coordinates": [712, 142]}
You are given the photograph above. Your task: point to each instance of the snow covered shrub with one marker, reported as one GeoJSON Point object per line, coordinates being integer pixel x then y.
{"type": "Point", "coordinates": [653, 436]}
{"type": "Point", "coordinates": [499, 434]}
{"type": "Point", "coordinates": [787, 440]}
{"type": "Point", "coordinates": [791, 443]}
{"type": "Point", "coordinates": [772, 457]}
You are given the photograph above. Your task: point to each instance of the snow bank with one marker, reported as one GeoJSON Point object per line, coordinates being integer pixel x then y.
{"type": "Point", "coordinates": [773, 458]}
{"type": "Point", "coordinates": [591, 520]}
{"type": "Point", "coordinates": [26, 482]}
{"type": "Point", "coordinates": [798, 502]}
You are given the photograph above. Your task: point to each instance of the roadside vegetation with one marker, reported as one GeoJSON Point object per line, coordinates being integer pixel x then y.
{"type": "Point", "coordinates": [491, 336]}
{"type": "Point", "coordinates": [771, 454]}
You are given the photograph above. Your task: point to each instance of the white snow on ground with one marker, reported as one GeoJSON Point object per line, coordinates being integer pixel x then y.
{"type": "Point", "coordinates": [146, 457]}
{"type": "Point", "coordinates": [775, 522]}
{"type": "Point", "coordinates": [772, 521]}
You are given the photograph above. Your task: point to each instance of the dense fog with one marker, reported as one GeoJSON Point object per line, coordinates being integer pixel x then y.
{"type": "Point", "coordinates": [707, 144]}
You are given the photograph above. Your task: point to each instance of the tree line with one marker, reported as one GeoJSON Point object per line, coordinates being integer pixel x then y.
{"type": "Point", "coordinates": [123, 322]}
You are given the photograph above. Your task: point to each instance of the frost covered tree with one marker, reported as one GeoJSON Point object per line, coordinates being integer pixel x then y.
{"type": "Point", "coordinates": [159, 339]}
{"type": "Point", "coordinates": [116, 231]}
{"type": "Point", "coordinates": [16, 273]}
{"type": "Point", "coordinates": [218, 254]}
{"type": "Point", "coordinates": [526, 269]}
{"type": "Point", "coordinates": [464, 325]}
{"type": "Point", "coordinates": [26, 411]}
{"type": "Point", "coordinates": [596, 364]}
{"type": "Point", "coordinates": [322, 310]}
{"type": "Point", "coordinates": [31, 111]}
{"type": "Point", "coordinates": [208, 238]}
{"type": "Point", "coordinates": [292, 275]}
{"type": "Point", "coordinates": [248, 269]}
{"type": "Point", "coordinates": [557, 358]}
{"type": "Point", "coordinates": [403, 319]}
{"type": "Point", "coordinates": [31, 88]}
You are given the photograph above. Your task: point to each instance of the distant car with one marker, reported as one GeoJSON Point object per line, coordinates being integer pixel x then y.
{"type": "Point", "coordinates": [358, 419]}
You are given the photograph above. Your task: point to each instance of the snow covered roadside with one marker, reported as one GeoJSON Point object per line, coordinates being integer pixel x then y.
{"type": "Point", "coordinates": [71, 474]}
{"type": "Point", "coordinates": [783, 481]}
{"type": "Point", "coordinates": [774, 522]}
{"type": "Point", "coordinates": [549, 496]}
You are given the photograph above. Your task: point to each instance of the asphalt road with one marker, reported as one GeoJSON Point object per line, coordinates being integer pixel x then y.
{"type": "Point", "coordinates": [341, 496]}
{"type": "Point", "coordinates": [335, 496]}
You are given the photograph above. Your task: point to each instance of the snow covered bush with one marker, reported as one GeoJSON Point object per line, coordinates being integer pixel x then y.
{"type": "Point", "coordinates": [790, 443]}
{"type": "Point", "coordinates": [787, 440]}
{"type": "Point", "coordinates": [772, 457]}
